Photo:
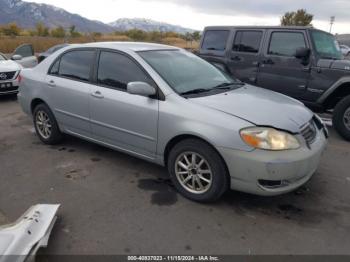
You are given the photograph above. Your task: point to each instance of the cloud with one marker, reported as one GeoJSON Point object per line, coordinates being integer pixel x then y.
{"type": "Point", "coordinates": [321, 9]}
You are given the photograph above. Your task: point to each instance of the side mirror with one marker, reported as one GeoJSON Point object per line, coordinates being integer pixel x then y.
{"type": "Point", "coordinates": [141, 89]}
{"type": "Point", "coordinates": [303, 53]}
{"type": "Point", "coordinates": [16, 57]}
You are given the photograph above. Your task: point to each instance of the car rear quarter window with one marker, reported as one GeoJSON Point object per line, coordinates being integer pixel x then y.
{"type": "Point", "coordinates": [76, 64]}
{"type": "Point", "coordinates": [55, 67]}
{"type": "Point", "coordinates": [215, 40]}
{"type": "Point", "coordinates": [117, 70]}
{"type": "Point", "coordinates": [286, 43]}
{"type": "Point", "coordinates": [247, 41]}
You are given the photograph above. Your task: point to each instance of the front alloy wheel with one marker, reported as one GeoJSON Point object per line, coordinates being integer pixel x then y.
{"type": "Point", "coordinates": [193, 172]}
{"type": "Point", "coordinates": [346, 118]}
{"type": "Point", "coordinates": [197, 170]}
{"type": "Point", "coordinates": [341, 118]}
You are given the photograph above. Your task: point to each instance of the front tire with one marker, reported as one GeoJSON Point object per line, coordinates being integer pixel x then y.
{"type": "Point", "coordinates": [46, 126]}
{"type": "Point", "coordinates": [197, 171]}
{"type": "Point", "coordinates": [341, 118]}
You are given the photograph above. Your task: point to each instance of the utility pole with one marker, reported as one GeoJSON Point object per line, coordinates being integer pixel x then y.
{"type": "Point", "coordinates": [332, 22]}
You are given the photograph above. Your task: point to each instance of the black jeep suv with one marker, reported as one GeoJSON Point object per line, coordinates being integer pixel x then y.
{"type": "Point", "coordinates": [302, 62]}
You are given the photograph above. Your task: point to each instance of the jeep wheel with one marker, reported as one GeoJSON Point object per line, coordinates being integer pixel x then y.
{"type": "Point", "coordinates": [341, 118]}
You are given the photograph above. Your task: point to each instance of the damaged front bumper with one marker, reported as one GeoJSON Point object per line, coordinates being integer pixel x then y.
{"type": "Point", "coordinates": [22, 239]}
{"type": "Point", "coordinates": [270, 173]}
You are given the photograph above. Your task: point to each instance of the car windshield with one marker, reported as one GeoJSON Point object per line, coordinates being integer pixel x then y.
{"type": "Point", "coordinates": [326, 45]}
{"type": "Point", "coordinates": [186, 73]}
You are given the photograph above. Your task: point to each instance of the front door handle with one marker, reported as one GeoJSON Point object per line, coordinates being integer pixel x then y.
{"type": "Point", "coordinates": [97, 94]}
{"type": "Point", "coordinates": [51, 83]}
{"type": "Point", "coordinates": [236, 58]}
{"type": "Point", "coordinates": [268, 62]}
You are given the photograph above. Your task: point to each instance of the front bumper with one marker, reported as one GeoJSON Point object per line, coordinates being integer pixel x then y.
{"type": "Point", "coordinates": [270, 173]}
{"type": "Point", "coordinates": [9, 87]}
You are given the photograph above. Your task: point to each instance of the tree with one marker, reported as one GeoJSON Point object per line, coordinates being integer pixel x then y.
{"type": "Point", "coordinates": [73, 32]}
{"type": "Point", "coordinates": [41, 29]}
{"type": "Point", "coordinates": [196, 36]}
{"type": "Point", "coordinates": [58, 32]}
{"type": "Point", "coordinates": [298, 18]}
{"type": "Point", "coordinates": [136, 34]}
{"type": "Point", "coordinates": [11, 29]}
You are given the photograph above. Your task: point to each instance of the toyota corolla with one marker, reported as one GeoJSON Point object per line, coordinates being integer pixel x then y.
{"type": "Point", "coordinates": [168, 106]}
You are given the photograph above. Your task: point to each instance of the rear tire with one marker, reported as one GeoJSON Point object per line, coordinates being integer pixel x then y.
{"type": "Point", "coordinates": [202, 178]}
{"type": "Point", "coordinates": [46, 126]}
{"type": "Point", "coordinates": [341, 118]}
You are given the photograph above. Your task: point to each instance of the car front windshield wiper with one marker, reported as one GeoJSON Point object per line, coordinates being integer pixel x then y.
{"type": "Point", "coordinates": [195, 91]}
{"type": "Point", "coordinates": [228, 85]}
{"type": "Point", "coordinates": [329, 57]}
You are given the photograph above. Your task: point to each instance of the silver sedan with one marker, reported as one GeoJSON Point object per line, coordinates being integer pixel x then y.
{"type": "Point", "coordinates": [170, 107]}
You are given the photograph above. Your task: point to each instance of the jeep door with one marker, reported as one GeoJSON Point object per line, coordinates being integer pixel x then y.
{"type": "Point", "coordinates": [125, 121]}
{"type": "Point", "coordinates": [279, 69]}
{"type": "Point", "coordinates": [29, 59]}
{"type": "Point", "coordinates": [243, 60]}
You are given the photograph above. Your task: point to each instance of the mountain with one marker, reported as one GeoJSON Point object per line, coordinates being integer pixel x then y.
{"type": "Point", "coordinates": [124, 24]}
{"type": "Point", "coordinates": [27, 15]}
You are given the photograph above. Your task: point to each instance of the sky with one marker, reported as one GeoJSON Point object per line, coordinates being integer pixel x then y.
{"type": "Point", "coordinates": [197, 14]}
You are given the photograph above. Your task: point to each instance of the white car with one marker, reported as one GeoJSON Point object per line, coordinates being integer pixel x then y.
{"type": "Point", "coordinates": [9, 76]}
{"type": "Point", "coordinates": [345, 50]}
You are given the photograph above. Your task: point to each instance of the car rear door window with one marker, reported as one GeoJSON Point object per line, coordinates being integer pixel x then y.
{"type": "Point", "coordinates": [247, 41]}
{"type": "Point", "coordinates": [76, 64]}
{"type": "Point", "coordinates": [286, 43]}
{"type": "Point", "coordinates": [116, 70]}
{"type": "Point", "coordinates": [215, 40]}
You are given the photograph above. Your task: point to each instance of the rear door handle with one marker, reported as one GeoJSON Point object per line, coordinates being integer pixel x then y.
{"type": "Point", "coordinates": [51, 83]}
{"type": "Point", "coordinates": [97, 94]}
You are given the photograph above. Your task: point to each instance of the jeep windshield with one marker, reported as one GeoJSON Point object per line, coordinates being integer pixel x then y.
{"type": "Point", "coordinates": [326, 45]}
{"type": "Point", "coordinates": [187, 74]}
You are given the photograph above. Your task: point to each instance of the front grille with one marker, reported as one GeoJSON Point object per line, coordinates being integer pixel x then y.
{"type": "Point", "coordinates": [309, 132]}
{"type": "Point", "coordinates": [7, 76]}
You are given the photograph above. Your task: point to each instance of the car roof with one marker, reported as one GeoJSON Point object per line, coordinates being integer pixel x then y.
{"type": "Point", "coordinates": [131, 46]}
{"type": "Point", "coordinates": [259, 27]}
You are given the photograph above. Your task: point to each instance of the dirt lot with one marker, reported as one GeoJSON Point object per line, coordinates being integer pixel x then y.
{"type": "Point", "coordinates": [115, 204]}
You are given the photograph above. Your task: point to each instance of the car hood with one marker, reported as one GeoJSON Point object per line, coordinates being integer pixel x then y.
{"type": "Point", "coordinates": [334, 64]}
{"type": "Point", "coordinates": [260, 107]}
{"type": "Point", "coordinates": [9, 66]}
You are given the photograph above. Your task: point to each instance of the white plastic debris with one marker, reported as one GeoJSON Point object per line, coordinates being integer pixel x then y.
{"type": "Point", "coordinates": [23, 238]}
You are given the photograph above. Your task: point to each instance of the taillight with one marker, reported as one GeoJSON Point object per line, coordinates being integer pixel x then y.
{"type": "Point", "coordinates": [19, 78]}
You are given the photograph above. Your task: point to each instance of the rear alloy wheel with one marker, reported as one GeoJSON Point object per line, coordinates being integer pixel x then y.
{"type": "Point", "coordinates": [341, 118]}
{"type": "Point", "coordinates": [43, 124]}
{"type": "Point", "coordinates": [197, 171]}
{"type": "Point", "coordinates": [46, 126]}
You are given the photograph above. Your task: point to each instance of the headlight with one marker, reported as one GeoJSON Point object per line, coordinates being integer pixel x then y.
{"type": "Point", "coordinates": [269, 139]}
